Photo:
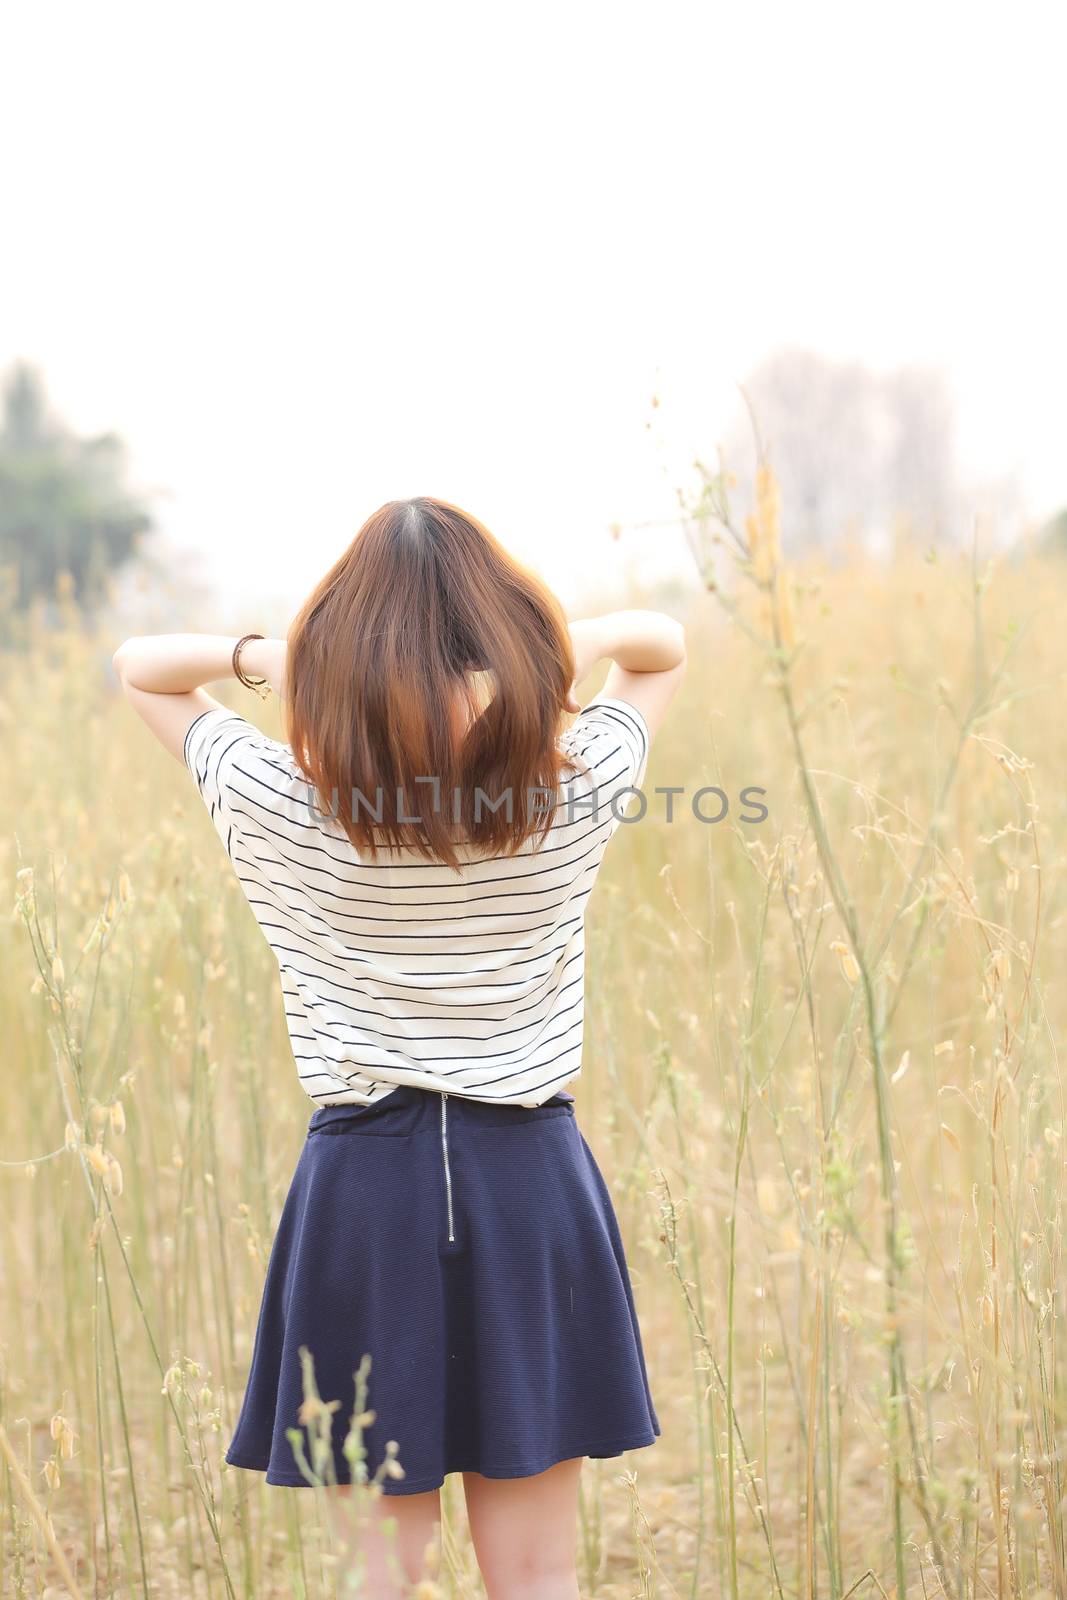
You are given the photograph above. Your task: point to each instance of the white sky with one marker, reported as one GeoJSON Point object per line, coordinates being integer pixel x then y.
{"type": "Point", "coordinates": [306, 259]}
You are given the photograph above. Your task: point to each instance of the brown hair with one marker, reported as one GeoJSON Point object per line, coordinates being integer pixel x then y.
{"type": "Point", "coordinates": [424, 615]}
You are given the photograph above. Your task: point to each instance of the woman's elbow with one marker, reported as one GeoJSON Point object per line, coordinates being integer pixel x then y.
{"type": "Point", "coordinates": [121, 659]}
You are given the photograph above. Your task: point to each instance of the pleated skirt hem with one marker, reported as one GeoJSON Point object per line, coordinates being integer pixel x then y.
{"type": "Point", "coordinates": [600, 1450]}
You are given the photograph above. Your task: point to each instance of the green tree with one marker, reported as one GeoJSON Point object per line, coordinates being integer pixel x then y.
{"type": "Point", "coordinates": [64, 507]}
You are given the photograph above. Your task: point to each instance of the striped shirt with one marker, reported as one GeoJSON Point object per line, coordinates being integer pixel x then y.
{"type": "Point", "coordinates": [403, 972]}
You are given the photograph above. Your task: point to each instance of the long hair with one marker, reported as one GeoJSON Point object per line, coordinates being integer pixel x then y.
{"type": "Point", "coordinates": [424, 619]}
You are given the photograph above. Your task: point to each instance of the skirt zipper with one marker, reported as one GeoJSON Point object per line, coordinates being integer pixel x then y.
{"type": "Point", "coordinates": [448, 1175]}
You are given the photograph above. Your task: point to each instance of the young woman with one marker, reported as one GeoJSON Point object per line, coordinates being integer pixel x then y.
{"type": "Point", "coordinates": [419, 855]}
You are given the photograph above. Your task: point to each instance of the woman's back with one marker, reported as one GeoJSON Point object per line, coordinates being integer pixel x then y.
{"type": "Point", "coordinates": [447, 1221]}
{"type": "Point", "coordinates": [402, 971]}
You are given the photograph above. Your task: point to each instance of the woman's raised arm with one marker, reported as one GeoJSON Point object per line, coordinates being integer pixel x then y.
{"type": "Point", "coordinates": [173, 663]}
{"type": "Point", "coordinates": [162, 677]}
{"type": "Point", "coordinates": [647, 654]}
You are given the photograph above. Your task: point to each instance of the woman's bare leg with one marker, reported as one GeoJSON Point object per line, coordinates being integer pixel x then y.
{"type": "Point", "coordinates": [387, 1563]}
{"type": "Point", "coordinates": [524, 1532]}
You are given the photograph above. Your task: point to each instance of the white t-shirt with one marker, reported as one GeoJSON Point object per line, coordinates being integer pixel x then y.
{"type": "Point", "coordinates": [402, 972]}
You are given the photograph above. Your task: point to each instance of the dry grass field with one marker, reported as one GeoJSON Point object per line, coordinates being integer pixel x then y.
{"type": "Point", "coordinates": [822, 1078]}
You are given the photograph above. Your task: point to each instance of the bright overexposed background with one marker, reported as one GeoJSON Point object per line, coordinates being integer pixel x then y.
{"type": "Point", "coordinates": [306, 260]}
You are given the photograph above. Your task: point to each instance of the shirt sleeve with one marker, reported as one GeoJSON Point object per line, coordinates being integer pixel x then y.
{"type": "Point", "coordinates": [612, 738]}
{"type": "Point", "coordinates": [213, 742]}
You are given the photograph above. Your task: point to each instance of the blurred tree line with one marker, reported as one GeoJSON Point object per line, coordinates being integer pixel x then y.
{"type": "Point", "coordinates": [68, 522]}
{"type": "Point", "coordinates": [865, 458]}
{"type": "Point", "coordinates": [861, 457]}
{"type": "Point", "coordinates": [856, 452]}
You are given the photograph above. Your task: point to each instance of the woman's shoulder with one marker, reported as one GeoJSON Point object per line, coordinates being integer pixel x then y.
{"type": "Point", "coordinates": [223, 750]}
{"type": "Point", "coordinates": [608, 720]}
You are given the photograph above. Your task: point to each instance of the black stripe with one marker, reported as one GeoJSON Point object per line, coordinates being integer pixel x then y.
{"type": "Point", "coordinates": [436, 1038]}
{"type": "Point", "coordinates": [249, 835]}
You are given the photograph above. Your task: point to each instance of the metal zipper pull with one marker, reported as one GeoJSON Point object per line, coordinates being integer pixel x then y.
{"type": "Point", "coordinates": [448, 1175]}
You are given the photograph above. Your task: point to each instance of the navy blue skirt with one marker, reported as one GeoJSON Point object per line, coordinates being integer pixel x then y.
{"type": "Point", "coordinates": [472, 1250]}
